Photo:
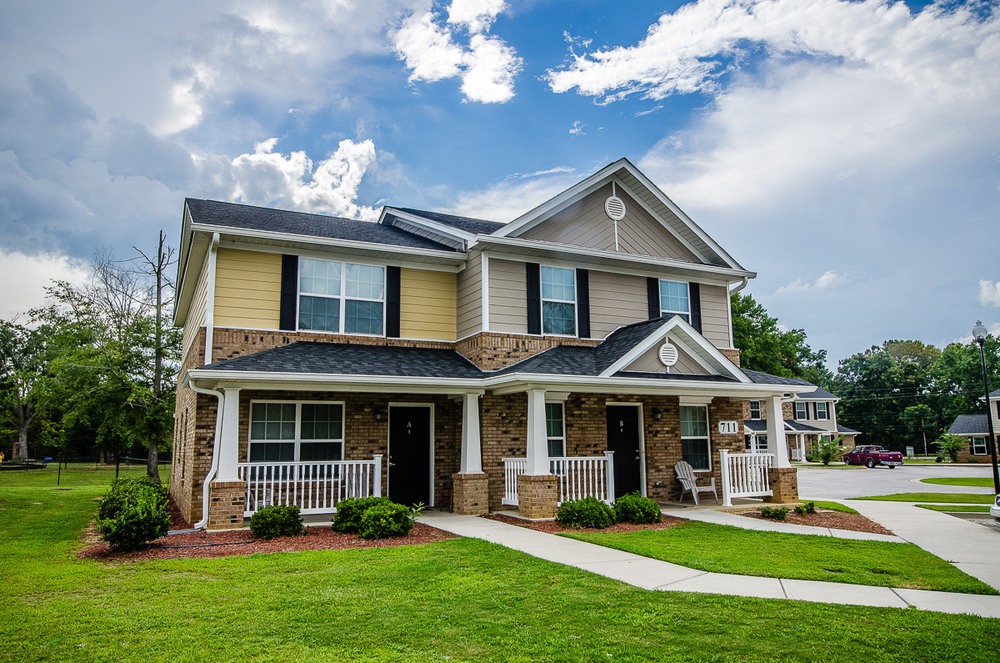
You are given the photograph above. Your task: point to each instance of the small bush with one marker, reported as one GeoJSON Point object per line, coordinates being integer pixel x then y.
{"type": "Point", "coordinates": [774, 513]}
{"type": "Point", "coordinates": [384, 520]}
{"type": "Point", "coordinates": [276, 520]}
{"type": "Point", "coordinates": [133, 512]}
{"type": "Point", "coordinates": [588, 512]}
{"type": "Point", "coordinates": [939, 459]}
{"type": "Point", "coordinates": [805, 509]}
{"type": "Point", "coordinates": [634, 508]}
{"type": "Point", "coordinates": [350, 511]}
{"type": "Point", "coordinates": [812, 457]}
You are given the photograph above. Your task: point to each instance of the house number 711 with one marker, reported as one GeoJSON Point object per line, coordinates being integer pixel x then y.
{"type": "Point", "coordinates": [729, 427]}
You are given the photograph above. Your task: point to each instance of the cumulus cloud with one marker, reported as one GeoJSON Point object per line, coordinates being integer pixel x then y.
{"type": "Point", "coordinates": [487, 67]}
{"type": "Point", "coordinates": [829, 279]}
{"type": "Point", "coordinates": [511, 197]}
{"type": "Point", "coordinates": [989, 293]}
{"type": "Point", "coordinates": [32, 273]}
{"type": "Point", "coordinates": [577, 128]}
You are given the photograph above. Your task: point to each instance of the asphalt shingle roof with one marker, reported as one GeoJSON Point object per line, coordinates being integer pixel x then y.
{"type": "Point", "coordinates": [756, 425]}
{"type": "Point", "coordinates": [767, 378]}
{"type": "Point", "coordinates": [969, 424]}
{"type": "Point", "coordinates": [846, 430]}
{"type": "Point", "coordinates": [233, 215]}
{"type": "Point", "coordinates": [620, 341]}
{"type": "Point", "coordinates": [818, 395]}
{"type": "Point", "coordinates": [802, 428]}
{"type": "Point", "coordinates": [354, 359]}
{"type": "Point", "coordinates": [468, 224]}
{"type": "Point", "coordinates": [560, 360]}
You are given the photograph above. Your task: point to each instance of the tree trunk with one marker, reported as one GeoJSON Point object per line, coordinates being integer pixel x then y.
{"type": "Point", "coordinates": [152, 458]}
{"type": "Point", "coordinates": [21, 446]}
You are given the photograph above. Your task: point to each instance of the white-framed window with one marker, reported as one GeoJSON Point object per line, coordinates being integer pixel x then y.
{"type": "Point", "coordinates": [346, 298]}
{"type": "Point", "coordinates": [558, 301]}
{"type": "Point", "coordinates": [674, 299]}
{"type": "Point", "coordinates": [756, 444]}
{"type": "Point", "coordinates": [694, 436]}
{"type": "Point", "coordinates": [822, 411]}
{"type": "Point", "coordinates": [801, 411]}
{"type": "Point", "coordinates": [282, 431]}
{"type": "Point", "coordinates": [979, 446]}
{"type": "Point", "coordinates": [555, 429]}
{"type": "Point", "coordinates": [755, 410]}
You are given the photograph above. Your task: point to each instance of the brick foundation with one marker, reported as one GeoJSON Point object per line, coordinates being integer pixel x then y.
{"type": "Point", "coordinates": [537, 496]}
{"type": "Point", "coordinates": [785, 484]}
{"type": "Point", "coordinates": [226, 504]}
{"type": "Point", "coordinates": [470, 494]}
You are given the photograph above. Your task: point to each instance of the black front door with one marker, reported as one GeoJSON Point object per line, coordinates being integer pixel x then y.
{"type": "Point", "coordinates": [410, 455]}
{"type": "Point", "coordinates": [623, 439]}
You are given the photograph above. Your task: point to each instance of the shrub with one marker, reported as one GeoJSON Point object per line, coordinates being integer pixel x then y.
{"type": "Point", "coordinates": [276, 520]}
{"type": "Point", "coordinates": [133, 512]}
{"type": "Point", "coordinates": [830, 449]}
{"type": "Point", "coordinates": [805, 509]}
{"type": "Point", "coordinates": [939, 459]}
{"type": "Point", "coordinates": [774, 513]}
{"type": "Point", "coordinates": [385, 519]}
{"type": "Point", "coordinates": [812, 457]}
{"type": "Point", "coordinates": [951, 446]}
{"type": "Point", "coordinates": [588, 512]}
{"type": "Point", "coordinates": [350, 511]}
{"type": "Point", "coordinates": [634, 508]}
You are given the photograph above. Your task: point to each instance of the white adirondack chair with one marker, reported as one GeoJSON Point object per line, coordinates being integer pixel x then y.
{"type": "Point", "coordinates": [686, 476]}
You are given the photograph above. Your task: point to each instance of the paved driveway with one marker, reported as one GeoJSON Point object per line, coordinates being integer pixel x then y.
{"type": "Point", "coordinates": [833, 483]}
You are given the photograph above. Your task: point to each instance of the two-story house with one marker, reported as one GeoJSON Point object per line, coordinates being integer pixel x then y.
{"type": "Point", "coordinates": [808, 417]}
{"type": "Point", "coordinates": [975, 428]}
{"type": "Point", "coordinates": [584, 347]}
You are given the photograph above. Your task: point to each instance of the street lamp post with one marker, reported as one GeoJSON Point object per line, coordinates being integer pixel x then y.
{"type": "Point", "coordinates": [979, 333]}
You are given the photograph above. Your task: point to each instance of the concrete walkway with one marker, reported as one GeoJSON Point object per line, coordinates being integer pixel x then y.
{"type": "Point", "coordinates": [663, 576]}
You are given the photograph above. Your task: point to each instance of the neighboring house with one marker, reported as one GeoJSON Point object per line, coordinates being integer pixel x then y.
{"type": "Point", "coordinates": [458, 362]}
{"type": "Point", "coordinates": [808, 417]}
{"type": "Point", "coordinates": [976, 429]}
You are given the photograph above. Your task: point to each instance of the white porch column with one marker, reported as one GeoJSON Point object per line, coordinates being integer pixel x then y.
{"type": "Point", "coordinates": [472, 454]}
{"type": "Point", "coordinates": [229, 447]}
{"type": "Point", "coordinates": [776, 432]}
{"type": "Point", "coordinates": [538, 441]}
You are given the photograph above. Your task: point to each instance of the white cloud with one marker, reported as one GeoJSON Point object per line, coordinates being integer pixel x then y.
{"type": "Point", "coordinates": [989, 293]}
{"type": "Point", "coordinates": [32, 274]}
{"type": "Point", "coordinates": [577, 128]}
{"type": "Point", "coordinates": [510, 198]}
{"type": "Point", "coordinates": [992, 329]}
{"type": "Point", "coordinates": [829, 279]}
{"type": "Point", "coordinates": [487, 67]}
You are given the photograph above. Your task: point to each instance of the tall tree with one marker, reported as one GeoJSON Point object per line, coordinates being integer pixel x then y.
{"type": "Point", "coordinates": [22, 365]}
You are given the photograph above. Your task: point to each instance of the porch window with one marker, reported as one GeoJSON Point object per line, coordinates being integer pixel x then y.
{"type": "Point", "coordinates": [755, 410]}
{"type": "Point", "coordinates": [822, 411]}
{"type": "Point", "coordinates": [558, 301]}
{"type": "Point", "coordinates": [694, 436]}
{"type": "Point", "coordinates": [290, 432]}
{"type": "Point", "coordinates": [555, 429]}
{"type": "Point", "coordinates": [801, 411]}
{"type": "Point", "coordinates": [344, 298]}
{"type": "Point", "coordinates": [756, 444]}
{"type": "Point", "coordinates": [674, 299]}
{"type": "Point", "coordinates": [979, 446]}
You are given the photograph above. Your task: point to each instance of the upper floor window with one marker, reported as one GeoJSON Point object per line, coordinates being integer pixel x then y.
{"type": "Point", "coordinates": [822, 411]}
{"type": "Point", "coordinates": [558, 301]}
{"type": "Point", "coordinates": [289, 432]}
{"type": "Point", "coordinates": [341, 297]}
{"type": "Point", "coordinates": [755, 410]}
{"type": "Point", "coordinates": [801, 411]}
{"type": "Point", "coordinates": [694, 436]}
{"type": "Point", "coordinates": [674, 299]}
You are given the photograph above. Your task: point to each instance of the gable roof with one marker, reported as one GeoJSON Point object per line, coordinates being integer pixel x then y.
{"type": "Point", "coordinates": [969, 424]}
{"type": "Point", "coordinates": [818, 395]}
{"type": "Point", "coordinates": [463, 223]}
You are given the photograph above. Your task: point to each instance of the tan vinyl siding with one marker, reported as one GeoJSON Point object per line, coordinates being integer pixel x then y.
{"type": "Point", "coordinates": [196, 311]}
{"type": "Point", "coordinates": [247, 289]}
{"type": "Point", "coordinates": [508, 297]}
{"type": "Point", "coordinates": [470, 296]}
{"type": "Point", "coordinates": [715, 316]}
{"type": "Point", "coordinates": [650, 362]}
{"type": "Point", "coordinates": [427, 304]}
{"type": "Point", "coordinates": [585, 223]}
{"type": "Point", "coordinates": [615, 300]}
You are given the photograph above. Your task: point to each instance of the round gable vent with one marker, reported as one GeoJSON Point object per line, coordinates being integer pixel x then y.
{"type": "Point", "coordinates": [668, 354]}
{"type": "Point", "coordinates": [615, 208]}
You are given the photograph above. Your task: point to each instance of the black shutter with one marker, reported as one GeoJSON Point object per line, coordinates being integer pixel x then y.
{"type": "Point", "coordinates": [289, 292]}
{"type": "Point", "coordinates": [815, 411]}
{"type": "Point", "coordinates": [694, 301]}
{"type": "Point", "coordinates": [392, 302]}
{"type": "Point", "coordinates": [583, 303]}
{"type": "Point", "coordinates": [534, 297]}
{"type": "Point", "coordinates": [653, 295]}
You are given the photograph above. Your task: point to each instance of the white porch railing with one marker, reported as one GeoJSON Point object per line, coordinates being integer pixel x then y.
{"type": "Point", "coordinates": [796, 454]}
{"type": "Point", "coordinates": [745, 475]}
{"type": "Point", "coordinates": [579, 477]}
{"type": "Point", "coordinates": [313, 486]}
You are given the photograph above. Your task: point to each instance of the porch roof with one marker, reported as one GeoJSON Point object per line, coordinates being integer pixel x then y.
{"type": "Point", "coordinates": [969, 424]}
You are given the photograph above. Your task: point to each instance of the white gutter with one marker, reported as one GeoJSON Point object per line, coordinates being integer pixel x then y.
{"type": "Point", "coordinates": [740, 286]}
{"type": "Point", "coordinates": [210, 298]}
{"type": "Point", "coordinates": [201, 524]}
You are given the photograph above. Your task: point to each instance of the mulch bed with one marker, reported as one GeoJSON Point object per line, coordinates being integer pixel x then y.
{"type": "Point", "coordinates": [832, 519]}
{"type": "Point", "coordinates": [552, 527]}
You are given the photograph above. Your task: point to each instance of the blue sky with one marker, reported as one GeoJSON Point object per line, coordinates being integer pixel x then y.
{"type": "Point", "coordinates": [846, 151]}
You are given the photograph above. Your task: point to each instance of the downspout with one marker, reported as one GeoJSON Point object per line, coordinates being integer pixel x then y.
{"type": "Point", "coordinates": [215, 450]}
{"type": "Point", "coordinates": [746, 280]}
{"type": "Point", "coordinates": [210, 299]}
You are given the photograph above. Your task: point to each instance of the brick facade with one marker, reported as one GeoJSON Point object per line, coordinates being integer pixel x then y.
{"type": "Point", "coordinates": [537, 496]}
{"type": "Point", "coordinates": [784, 484]}
{"type": "Point", "coordinates": [227, 504]}
{"type": "Point", "coordinates": [470, 494]}
{"type": "Point", "coordinates": [491, 351]}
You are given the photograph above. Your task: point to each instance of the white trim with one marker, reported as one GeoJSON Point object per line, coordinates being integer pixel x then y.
{"type": "Point", "coordinates": [213, 259]}
{"type": "Point", "coordinates": [573, 302]}
{"type": "Point", "coordinates": [388, 453]}
{"type": "Point", "coordinates": [343, 256]}
{"type": "Point", "coordinates": [342, 297]}
{"type": "Point", "coordinates": [642, 441]}
{"type": "Point", "coordinates": [442, 229]}
{"type": "Point", "coordinates": [484, 280]}
{"type": "Point", "coordinates": [729, 314]}
{"type": "Point", "coordinates": [297, 439]}
{"type": "Point", "coordinates": [707, 437]}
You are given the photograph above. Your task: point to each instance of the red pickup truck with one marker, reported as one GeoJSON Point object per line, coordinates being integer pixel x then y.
{"type": "Point", "coordinates": [872, 456]}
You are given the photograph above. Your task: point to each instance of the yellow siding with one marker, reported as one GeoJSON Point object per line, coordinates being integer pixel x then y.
{"type": "Point", "coordinates": [247, 289]}
{"type": "Point", "coordinates": [427, 304]}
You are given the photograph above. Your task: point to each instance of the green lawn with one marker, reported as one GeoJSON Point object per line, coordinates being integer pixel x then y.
{"type": "Point", "coordinates": [978, 482]}
{"type": "Point", "coordinates": [462, 600]}
{"type": "Point", "coordinates": [73, 475]}
{"type": "Point", "coordinates": [725, 549]}
{"type": "Point", "coordinates": [832, 506]}
{"type": "Point", "coordinates": [955, 508]}
{"type": "Point", "coordinates": [957, 498]}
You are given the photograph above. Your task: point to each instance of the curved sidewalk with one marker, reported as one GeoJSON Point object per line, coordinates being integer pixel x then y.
{"type": "Point", "coordinates": [663, 576]}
